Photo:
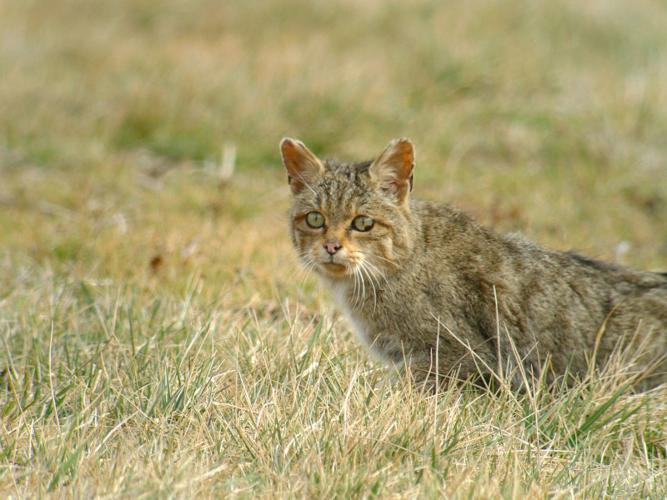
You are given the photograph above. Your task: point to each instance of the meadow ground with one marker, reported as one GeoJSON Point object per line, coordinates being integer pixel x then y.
{"type": "Point", "coordinates": [157, 338]}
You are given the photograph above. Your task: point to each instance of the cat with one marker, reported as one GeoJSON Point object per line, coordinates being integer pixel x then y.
{"type": "Point", "coordinates": [425, 285]}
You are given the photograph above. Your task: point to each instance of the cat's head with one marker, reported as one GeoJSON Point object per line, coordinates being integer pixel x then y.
{"type": "Point", "coordinates": [351, 219]}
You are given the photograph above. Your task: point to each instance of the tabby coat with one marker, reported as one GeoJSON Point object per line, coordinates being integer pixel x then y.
{"type": "Point", "coordinates": [424, 284]}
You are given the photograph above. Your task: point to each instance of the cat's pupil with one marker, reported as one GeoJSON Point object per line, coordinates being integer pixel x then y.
{"type": "Point", "coordinates": [362, 223]}
{"type": "Point", "coordinates": [315, 220]}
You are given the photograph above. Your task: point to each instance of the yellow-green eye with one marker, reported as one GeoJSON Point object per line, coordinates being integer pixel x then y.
{"type": "Point", "coordinates": [362, 223]}
{"type": "Point", "coordinates": [315, 220]}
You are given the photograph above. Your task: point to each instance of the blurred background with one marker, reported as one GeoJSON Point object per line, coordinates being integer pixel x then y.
{"type": "Point", "coordinates": [139, 138]}
{"type": "Point", "coordinates": [157, 336]}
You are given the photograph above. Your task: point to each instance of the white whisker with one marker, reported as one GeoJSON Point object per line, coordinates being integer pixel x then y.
{"type": "Point", "coordinates": [362, 288]}
{"type": "Point", "coordinates": [307, 266]}
{"type": "Point", "coordinates": [391, 262]}
{"type": "Point", "coordinates": [354, 289]}
{"type": "Point", "coordinates": [377, 273]}
{"type": "Point", "coordinates": [363, 285]}
{"type": "Point", "coordinates": [367, 272]}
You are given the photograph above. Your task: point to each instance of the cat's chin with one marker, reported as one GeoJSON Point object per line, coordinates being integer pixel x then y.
{"type": "Point", "coordinates": [333, 270]}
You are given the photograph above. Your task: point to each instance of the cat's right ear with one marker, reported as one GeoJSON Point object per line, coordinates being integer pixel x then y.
{"type": "Point", "coordinates": [303, 167]}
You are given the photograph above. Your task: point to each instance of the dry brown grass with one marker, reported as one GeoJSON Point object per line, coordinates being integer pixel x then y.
{"type": "Point", "coordinates": [157, 336]}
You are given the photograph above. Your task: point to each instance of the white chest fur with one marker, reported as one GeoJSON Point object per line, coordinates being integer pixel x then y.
{"type": "Point", "coordinates": [360, 327]}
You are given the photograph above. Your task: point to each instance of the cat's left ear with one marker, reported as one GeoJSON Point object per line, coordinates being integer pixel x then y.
{"type": "Point", "coordinates": [393, 169]}
{"type": "Point", "coordinates": [303, 167]}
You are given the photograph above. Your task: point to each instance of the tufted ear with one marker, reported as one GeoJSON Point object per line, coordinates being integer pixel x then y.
{"type": "Point", "coordinates": [303, 167]}
{"type": "Point", "coordinates": [393, 169]}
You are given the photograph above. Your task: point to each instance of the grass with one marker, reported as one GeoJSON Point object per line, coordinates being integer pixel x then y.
{"type": "Point", "coordinates": [157, 337]}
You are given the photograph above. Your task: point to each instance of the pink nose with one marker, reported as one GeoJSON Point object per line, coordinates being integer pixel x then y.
{"type": "Point", "coordinates": [332, 246]}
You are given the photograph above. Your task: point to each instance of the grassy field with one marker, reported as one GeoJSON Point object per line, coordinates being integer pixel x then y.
{"type": "Point", "coordinates": [157, 336]}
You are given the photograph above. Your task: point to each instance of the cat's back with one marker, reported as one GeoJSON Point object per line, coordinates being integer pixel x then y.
{"type": "Point", "coordinates": [541, 284]}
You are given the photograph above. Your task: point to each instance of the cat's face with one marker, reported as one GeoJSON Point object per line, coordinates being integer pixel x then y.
{"type": "Point", "coordinates": [350, 219]}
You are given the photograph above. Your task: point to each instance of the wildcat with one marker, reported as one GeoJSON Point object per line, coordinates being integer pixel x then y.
{"type": "Point", "coordinates": [425, 285]}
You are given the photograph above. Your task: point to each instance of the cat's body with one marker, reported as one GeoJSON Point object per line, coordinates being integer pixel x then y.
{"type": "Point", "coordinates": [548, 303]}
{"type": "Point", "coordinates": [428, 286]}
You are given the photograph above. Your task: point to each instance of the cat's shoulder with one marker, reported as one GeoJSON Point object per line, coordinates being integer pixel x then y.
{"type": "Point", "coordinates": [435, 211]}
